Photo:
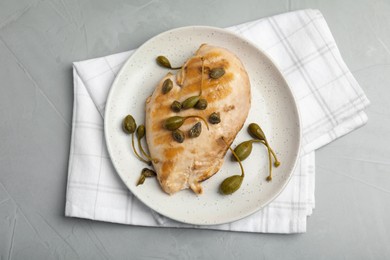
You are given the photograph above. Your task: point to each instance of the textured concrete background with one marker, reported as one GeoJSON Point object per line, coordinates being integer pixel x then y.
{"type": "Point", "coordinates": [38, 42]}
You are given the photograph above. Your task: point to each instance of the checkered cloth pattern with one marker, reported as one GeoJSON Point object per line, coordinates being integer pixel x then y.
{"type": "Point", "coordinates": [330, 101]}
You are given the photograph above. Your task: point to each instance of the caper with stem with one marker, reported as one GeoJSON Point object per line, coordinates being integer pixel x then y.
{"type": "Point", "coordinates": [141, 134]}
{"type": "Point", "coordinates": [190, 102]}
{"type": "Point", "coordinates": [175, 122]}
{"type": "Point", "coordinates": [244, 149]}
{"type": "Point", "coordinates": [129, 126]}
{"type": "Point", "coordinates": [232, 183]}
{"type": "Point", "coordinates": [164, 62]}
{"type": "Point", "coordinates": [256, 132]}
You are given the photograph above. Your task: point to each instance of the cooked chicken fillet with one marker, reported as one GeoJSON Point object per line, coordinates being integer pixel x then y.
{"type": "Point", "coordinates": [186, 165]}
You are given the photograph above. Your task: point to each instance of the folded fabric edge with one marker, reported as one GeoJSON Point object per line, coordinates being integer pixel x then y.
{"type": "Point", "coordinates": [72, 137]}
{"type": "Point", "coordinates": [354, 122]}
{"type": "Point", "coordinates": [275, 226]}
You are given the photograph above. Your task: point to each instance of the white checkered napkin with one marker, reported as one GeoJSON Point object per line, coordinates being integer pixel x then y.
{"type": "Point", "coordinates": [330, 101]}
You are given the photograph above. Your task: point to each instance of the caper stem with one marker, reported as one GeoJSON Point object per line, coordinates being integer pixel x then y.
{"type": "Point", "coordinates": [238, 159]}
{"type": "Point", "coordinates": [269, 178]}
{"type": "Point", "coordinates": [277, 162]}
{"type": "Point", "coordinates": [135, 151]}
{"type": "Point", "coordinates": [201, 118]}
{"type": "Point", "coordinates": [144, 153]}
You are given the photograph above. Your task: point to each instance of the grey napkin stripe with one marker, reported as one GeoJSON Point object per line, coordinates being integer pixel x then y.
{"type": "Point", "coordinates": [329, 98]}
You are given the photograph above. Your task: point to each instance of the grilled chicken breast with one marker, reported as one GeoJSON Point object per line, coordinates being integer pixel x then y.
{"type": "Point", "coordinates": [185, 165]}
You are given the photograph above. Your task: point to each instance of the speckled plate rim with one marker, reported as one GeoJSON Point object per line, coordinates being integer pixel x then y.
{"type": "Point", "coordinates": [171, 215]}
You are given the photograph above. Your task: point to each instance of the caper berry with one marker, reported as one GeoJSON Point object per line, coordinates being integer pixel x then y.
{"type": "Point", "coordinates": [243, 150]}
{"type": "Point", "coordinates": [173, 123]}
{"type": "Point", "coordinates": [216, 73]}
{"type": "Point", "coordinates": [195, 130]}
{"type": "Point", "coordinates": [129, 125]}
{"type": "Point", "coordinates": [140, 131]}
{"type": "Point", "coordinates": [214, 118]}
{"type": "Point", "coordinates": [202, 104]}
{"type": "Point", "coordinates": [256, 132]}
{"type": "Point", "coordinates": [190, 102]}
{"type": "Point", "coordinates": [164, 62]}
{"type": "Point", "coordinates": [176, 122]}
{"type": "Point", "coordinates": [167, 86]}
{"type": "Point", "coordinates": [178, 136]}
{"type": "Point", "coordinates": [231, 184]}
{"type": "Point", "coordinates": [176, 106]}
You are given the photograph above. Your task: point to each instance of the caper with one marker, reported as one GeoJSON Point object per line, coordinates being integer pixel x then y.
{"type": "Point", "coordinates": [178, 136]}
{"type": "Point", "coordinates": [148, 172]}
{"type": "Point", "coordinates": [167, 86]}
{"type": "Point", "coordinates": [216, 73]}
{"type": "Point", "coordinates": [129, 125]}
{"type": "Point", "coordinates": [164, 62]}
{"type": "Point", "coordinates": [214, 118]}
{"type": "Point", "coordinates": [243, 150]}
{"type": "Point", "coordinates": [190, 102]}
{"type": "Point", "coordinates": [176, 122]}
{"type": "Point", "coordinates": [195, 130]}
{"type": "Point", "coordinates": [202, 104]}
{"type": "Point", "coordinates": [176, 106]}
{"type": "Point", "coordinates": [256, 132]}
{"type": "Point", "coordinates": [231, 184]}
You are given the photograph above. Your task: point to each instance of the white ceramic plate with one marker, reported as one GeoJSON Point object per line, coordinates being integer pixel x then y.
{"type": "Point", "coordinates": [273, 107]}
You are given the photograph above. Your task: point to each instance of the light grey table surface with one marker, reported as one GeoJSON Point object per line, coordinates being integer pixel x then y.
{"type": "Point", "coordinates": [39, 40]}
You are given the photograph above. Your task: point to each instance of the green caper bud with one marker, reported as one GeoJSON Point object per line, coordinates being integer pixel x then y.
{"type": "Point", "coordinates": [176, 106]}
{"type": "Point", "coordinates": [163, 62]}
{"type": "Point", "coordinates": [148, 172]}
{"type": "Point", "coordinates": [140, 131]}
{"type": "Point", "coordinates": [190, 102]}
{"type": "Point", "coordinates": [214, 118]}
{"type": "Point", "coordinates": [173, 122]}
{"type": "Point", "coordinates": [129, 125]}
{"type": "Point", "coordinates": [202, 104]}
{"type": "Point", "coordinates": [256, 132]}
{"type": "Point", "coordinates": [141, 180]}
{"type": "Point", "coordinates": [231, 184]}
{"type": "Point", "coordinates": [243, 150]}
{"type": "Point", "coordinates": [178, 136]}
{"type": "Point", "coordinates": [216, 73]}
{"type": "Point", "coordinates": [195, 130]}
{"type": "Point", "coordinates": [176, 122]}
{"type": "Point", "coordinates": [167, 86]}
